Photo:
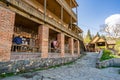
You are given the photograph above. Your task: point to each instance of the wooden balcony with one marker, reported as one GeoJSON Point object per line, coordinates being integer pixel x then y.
{"type": "Point", "coordinates": [35, 13]}
{"type": "Point", "coordinates": [67, 8]}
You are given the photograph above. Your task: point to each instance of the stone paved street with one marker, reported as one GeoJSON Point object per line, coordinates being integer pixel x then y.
{"type": "Point", "coordinates": [82, 69]}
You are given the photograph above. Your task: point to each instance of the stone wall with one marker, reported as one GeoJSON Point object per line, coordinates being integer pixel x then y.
{"type": "Point", "coordinates": [24, 56]}
{"type": "Point", "coordinates": [115, 62]}
{"type": "Point", "coordinates": [31, 64]}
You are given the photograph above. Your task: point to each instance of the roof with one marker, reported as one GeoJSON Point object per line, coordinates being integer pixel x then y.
{"type": "Point", "coordinates": [97, 39]}
{"type": "Point", "coordinates": [80, 30]}
{"type": "Point", "coordinates": [75, 3]}
{"type": "Point", "coordinates": [101, 40]}
{"type": "Point", "coordinates": [111, 42]}
{"type": "Point", "coordinates": [94, 40]}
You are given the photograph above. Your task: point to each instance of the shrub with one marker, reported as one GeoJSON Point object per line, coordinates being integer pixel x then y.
{"type": "Point", "coordinates": [107, 54]}
{"type": "Point", "coordinates": [117, 48]}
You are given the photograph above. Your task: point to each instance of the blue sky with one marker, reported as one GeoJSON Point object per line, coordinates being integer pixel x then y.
{"type": "Point", "coordinates": [92, 13]}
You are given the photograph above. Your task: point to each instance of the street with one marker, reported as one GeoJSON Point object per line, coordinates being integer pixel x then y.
{"type": "Point", "coordinates": [82, 69]}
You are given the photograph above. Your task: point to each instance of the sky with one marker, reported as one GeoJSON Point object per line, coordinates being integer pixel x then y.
{"type": "Point", "coordinates": [93, 13]}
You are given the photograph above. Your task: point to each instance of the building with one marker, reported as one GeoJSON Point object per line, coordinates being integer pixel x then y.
{"type": "Point", "coordinates": [37, 23]}
{"type": "Point", "coordinates": [96, 44]}
{"type": "Point", "coordinates": [111, 44]}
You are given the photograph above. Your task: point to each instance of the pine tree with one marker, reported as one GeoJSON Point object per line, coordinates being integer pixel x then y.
{"type": "Point", "coordinates": [98, 34]}
{"type": "Point", "coordinates": [103, 36]}
{"type": "Point", "coordinates": [88, 37]}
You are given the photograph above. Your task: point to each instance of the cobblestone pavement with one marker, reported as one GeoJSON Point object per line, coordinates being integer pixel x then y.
{"type": "Point", "coordinates": [82, 69]}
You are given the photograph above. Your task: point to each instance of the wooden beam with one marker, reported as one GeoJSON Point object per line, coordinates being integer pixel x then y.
{"type": "Point", "coordinates": [44, 10]}
{"type": "Point", "coordinates": [61, 14]}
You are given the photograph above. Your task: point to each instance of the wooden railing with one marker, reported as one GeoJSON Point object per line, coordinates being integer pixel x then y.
{"type": "Point", "coordinates": [52, 50]}
{"type": "Point", "coordinates": [67, 8]}
{"type": "Point", "coordinates": [75, 50]}
{"type": "Point", "coordinates": [67, 49]}
{"type": "Point", "coordinates": [24, 48]}
{"type": "Point", "coordinates": [21, 5]}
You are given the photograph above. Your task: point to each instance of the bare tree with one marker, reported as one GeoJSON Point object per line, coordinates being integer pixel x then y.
{"type": "Point", "coordinates": [116, 30]}
{"type": "Point", "coordinates": [111, 30]}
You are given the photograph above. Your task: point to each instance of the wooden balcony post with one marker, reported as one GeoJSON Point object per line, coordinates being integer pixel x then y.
{"type": "Point", "coordinates": [45, 10]}
{"type": "Point", "coordinates": [61, 14]}
{"type": "Point", "coordinates": [70, 3]}
{"type": "Point", "coordinates": [77, 14]}
{"type": "Point", "coordinates": [71, 15]}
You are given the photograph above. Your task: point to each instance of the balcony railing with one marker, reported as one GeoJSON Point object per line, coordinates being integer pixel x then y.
{"type": "Point", "coordinates": [68, 8]}
{"type": "Point", "coordinates": [75, 50]}
{"type": "Point", "coordinates": [24, 48]}
{"type": "Point", "coordinates": [52, 50]}
{"type": "Point", "coordinates": [27, 8]}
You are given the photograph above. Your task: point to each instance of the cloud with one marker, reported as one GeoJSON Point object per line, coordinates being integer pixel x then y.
{"type": "Point", "coordinates": [113, 20]}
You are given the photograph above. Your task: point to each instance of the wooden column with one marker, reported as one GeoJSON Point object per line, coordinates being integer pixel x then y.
{"type": "Point", "coordinates": [70, 15]}
{"type": "Point", "coordinates": [62, 15]}
{"type": "Point", "coordinates": [7, 19]}
{"type": "Point", "coordinates": [45, 10]}
{"type": "Point", "coordinates": [43, 40]}
{"type": "Point", "coordinates": [77, 14]}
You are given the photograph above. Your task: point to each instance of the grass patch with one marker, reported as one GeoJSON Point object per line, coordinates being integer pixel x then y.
{"type": "Point", "coordinates": [107, 54]}
{"type": "Point", "coordinates": [119, 71]}
{"type": "Point", "coordinates": [6, 75]}
{"type": "Point", "coordinates": [102, 47]}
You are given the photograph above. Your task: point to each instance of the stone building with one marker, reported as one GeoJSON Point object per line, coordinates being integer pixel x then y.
{"type": "Point", "coordinates": [37, 23]}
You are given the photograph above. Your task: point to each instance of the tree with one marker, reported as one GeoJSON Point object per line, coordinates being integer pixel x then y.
{"type": "Point", "coordinates": [92, 36]}
{"type": "Point", "coordinates": [88, 37]}
{"type": "Point", "coordinates": [103, 36]}
{"type": "Point", "coordinates": [111, 30]}
{"type": "Point", "coordinates": [98, 34]}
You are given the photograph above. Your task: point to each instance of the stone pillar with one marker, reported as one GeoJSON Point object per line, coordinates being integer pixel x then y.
{"type": "Point", "coordinates": [78, 47]}
{"type": "Point", "coordinates": [60, 38]}
{"type": "Point", "coordinates": [71, 46]}
{"type": "Point", "coordinates": [7, 19]}
{"type": "Point", "coordinates": [43, 34]}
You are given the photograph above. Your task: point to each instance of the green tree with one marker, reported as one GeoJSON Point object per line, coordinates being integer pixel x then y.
{"type": "Point", "coordinates": [103, 36]}
{"type": "Point", "coordinates": [92, 36]}
{"type": "Point", "coordinates": [88, 37]}
{"type": "Point", "coordinates": [98, 34]}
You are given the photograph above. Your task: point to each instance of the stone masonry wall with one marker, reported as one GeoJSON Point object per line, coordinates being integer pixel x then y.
{"type": "Point", "coordinates": [31, 64]}
{"type": "Point", "coordinates": [107, 63]}
{"type": "Point", "coordinates": [6, 31]}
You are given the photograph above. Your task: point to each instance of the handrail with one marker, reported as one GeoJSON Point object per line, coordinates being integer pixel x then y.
{"type": "Point", "coordinates": [68, 8]}
{"type": "Point", "coordinates": [24, 48]}
{"type": "Point", "coordinates": [39, 15]}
